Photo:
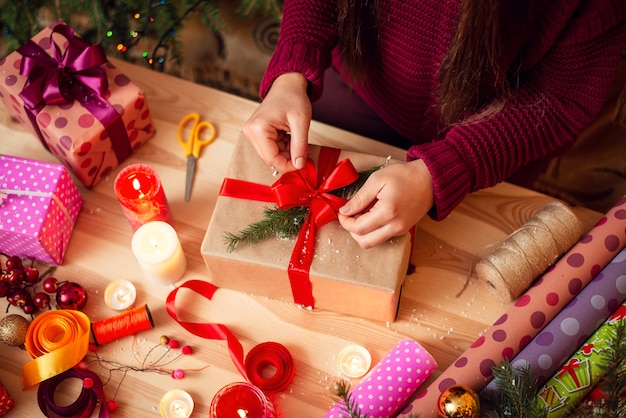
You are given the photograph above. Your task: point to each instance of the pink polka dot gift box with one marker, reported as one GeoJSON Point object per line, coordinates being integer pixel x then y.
{"type": "Point", "coordinates": [39, 204]}
{"type": "Point", "coordinates": [83, 109]}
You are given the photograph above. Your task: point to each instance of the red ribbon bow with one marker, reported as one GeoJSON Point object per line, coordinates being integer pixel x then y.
{"type": "Point", "coordinates": [73, 73]}
{"type": "Point", "coordinates": [304, 187]}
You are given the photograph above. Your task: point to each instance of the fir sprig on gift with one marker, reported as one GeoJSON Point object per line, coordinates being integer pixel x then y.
{"type": "Point", "coordinates": [286, 223]}
{"type": "Point", "coordinates": [516, 394]}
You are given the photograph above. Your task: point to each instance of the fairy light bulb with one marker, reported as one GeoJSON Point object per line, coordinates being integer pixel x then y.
{"type": "Point", "coordinates": [120, 294]}
{"type": "Point", "coordinates": [176, 403]}
{"type": "Point", "coordinates": [354, 361]}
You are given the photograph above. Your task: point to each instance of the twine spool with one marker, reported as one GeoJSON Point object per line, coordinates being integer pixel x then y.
{"type": "Point", "coordinates": [530, 250]}
{"type": "Point", "coordinates": [128, 323]}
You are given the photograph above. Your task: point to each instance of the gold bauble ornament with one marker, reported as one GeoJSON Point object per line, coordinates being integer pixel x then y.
{"type": "Point", "coordinates": [13, 329]}
{"type": "Point", "coordinates": [458, 401]}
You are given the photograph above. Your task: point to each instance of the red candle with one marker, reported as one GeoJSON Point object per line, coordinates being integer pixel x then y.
{"type": "Point", "coordinates": [139, 191]}
{"type": "Point", "coordinates": [241, 400]}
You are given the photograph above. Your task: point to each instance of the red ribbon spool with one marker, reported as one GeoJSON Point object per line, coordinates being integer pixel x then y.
{"type": "Point", "coordinates": [259, 359]}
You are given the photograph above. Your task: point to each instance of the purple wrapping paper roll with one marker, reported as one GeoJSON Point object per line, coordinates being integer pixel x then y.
{"type": "Point", "coordinates": [390, 384]}
{"type": "Point", "coordinates": [576, 322]}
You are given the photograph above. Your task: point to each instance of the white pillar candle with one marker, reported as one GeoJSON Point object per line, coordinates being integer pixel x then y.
{"type": "Point", "coordinates": [159, 253]}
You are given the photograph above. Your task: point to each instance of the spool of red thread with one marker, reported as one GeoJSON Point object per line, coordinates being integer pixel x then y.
{"type": "Point", "coordinates": [128, 323]}
{"type": "Point", "coordinates": [139, 190]}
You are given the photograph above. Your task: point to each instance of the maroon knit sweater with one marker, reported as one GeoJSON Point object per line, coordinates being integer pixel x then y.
{"type": "Point", "coordinates": [566, 71]}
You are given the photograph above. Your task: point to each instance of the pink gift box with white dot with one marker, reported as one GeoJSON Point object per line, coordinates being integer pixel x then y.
{"type": "Point", "coordinates": [39, 205]}
{"type": "Point", "coordinates": [74, 135]}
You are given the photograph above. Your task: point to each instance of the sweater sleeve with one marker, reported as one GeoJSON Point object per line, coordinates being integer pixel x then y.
{"type": "Point", "coordinates": [307, 36]}
{"type": "Point", "coordinates": [556, 99]}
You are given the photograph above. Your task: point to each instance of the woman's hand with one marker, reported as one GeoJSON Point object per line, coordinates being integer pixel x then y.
{"type": "Point", "coordinates": [390, 203]}
{"type": "Point", "coordinates": [279, 127]}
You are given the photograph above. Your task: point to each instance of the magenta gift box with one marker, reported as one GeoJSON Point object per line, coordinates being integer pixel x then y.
{"type": "Point", "coordinates": [39, 204]}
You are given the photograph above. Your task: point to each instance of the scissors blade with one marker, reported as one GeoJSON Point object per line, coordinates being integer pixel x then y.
{"type": "Point", "coordinates": [191, 170]}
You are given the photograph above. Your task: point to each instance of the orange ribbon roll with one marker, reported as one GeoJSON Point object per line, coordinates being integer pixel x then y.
{"type": "Point", "coordinates": [56, 341]}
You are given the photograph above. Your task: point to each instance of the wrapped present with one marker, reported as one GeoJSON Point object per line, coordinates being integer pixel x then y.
{"type": "Point", "coordinates": [323, 266]}
{"type": "Point", "coordinates": [6, 401]}
{"type": "Point", "coordinates": [39, 204]}
{"type": "Point", "coordinates": [83, 109]}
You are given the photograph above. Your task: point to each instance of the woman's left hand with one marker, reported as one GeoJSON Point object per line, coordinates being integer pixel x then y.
{"type": "Point", "coordinates": [390, 203]}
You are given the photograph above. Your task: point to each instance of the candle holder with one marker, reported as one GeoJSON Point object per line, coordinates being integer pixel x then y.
{"type": "Point", "coordinates": [140, 193]}
{"type": "Point", "coordinates": [158, 252]}
{"type": "Point", "coordinates": [241, 400]}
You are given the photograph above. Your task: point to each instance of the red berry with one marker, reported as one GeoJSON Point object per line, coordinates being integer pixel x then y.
{"type": "Point", "coordinates": [31, 275]}
{"type": "Point", "coordinates": [18, 297]}
{"type": "Point", "coordinates": [41, 300]}
{"type": "Point", "coordinates": [30, 308]}
{"type": "Point", "coordinates": [50, 285]}
{"type": "Point", "coordinates": [14, 262]}
{"type": "Point", "coordinates": [174, 343]}
{"type": "Point", "coordinates": [15, 277]}
{"type": "Point", "coordinates": [112, 405]}
{"type": "Point", "coordinates": [4, 288]}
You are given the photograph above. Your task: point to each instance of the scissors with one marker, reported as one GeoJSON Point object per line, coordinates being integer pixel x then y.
{"type": "Point", "coordinates": [194, 144]}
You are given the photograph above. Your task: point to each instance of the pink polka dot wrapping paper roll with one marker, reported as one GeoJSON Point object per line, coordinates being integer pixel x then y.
{"type": "Point", "coordinates": [548, 295]}
{"type": "Point", "coordinates": [391, 383]}
{"type": "Point", "coordinates": [575, 323]}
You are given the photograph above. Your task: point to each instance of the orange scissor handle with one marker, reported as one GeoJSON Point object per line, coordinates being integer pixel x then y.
{"type": "Point", "coordinates": [197, 139]}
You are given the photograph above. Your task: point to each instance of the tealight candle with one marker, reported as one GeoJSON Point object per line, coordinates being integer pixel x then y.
{"type": "Point", "coordinates": [354, 361]}
{"type": "Point", "coordinates": [176, 403]}
{"type": "Point", "coordinates": [140, 193]}
{"type": "Point", "coordinates": [158, 252]}
{"type": "Point", "coordinates": [120, 294]}
{"type": "Point", "coordinates": [241, 400]}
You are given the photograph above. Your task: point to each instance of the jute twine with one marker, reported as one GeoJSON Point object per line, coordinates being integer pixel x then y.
{"type": "Point", "coordinates": [530, 250]}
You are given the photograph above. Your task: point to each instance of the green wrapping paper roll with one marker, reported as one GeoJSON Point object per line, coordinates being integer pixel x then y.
{"type": "Point", "coordinates": [582, 372]}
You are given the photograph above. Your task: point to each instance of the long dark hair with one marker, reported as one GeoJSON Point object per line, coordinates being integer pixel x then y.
{"type": "Point", "coordinates": [475, 75]}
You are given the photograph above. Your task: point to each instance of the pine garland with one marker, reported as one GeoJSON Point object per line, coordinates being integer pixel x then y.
{"type": "Point", "coordinates": [119, 24]}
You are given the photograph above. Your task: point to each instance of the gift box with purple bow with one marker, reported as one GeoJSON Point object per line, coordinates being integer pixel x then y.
{"type": "Point", "coordinates": [83, 109]}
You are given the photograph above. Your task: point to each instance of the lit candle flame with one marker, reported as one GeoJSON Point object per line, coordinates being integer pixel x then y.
{"type": "Point", "coordinates": [243, 413]}
{"type": "Point", "coordinates": [137, 186]}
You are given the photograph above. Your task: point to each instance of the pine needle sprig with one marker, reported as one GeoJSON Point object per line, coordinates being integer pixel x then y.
{"type": "Point", "coordinates": [516, 394]}
{"type": "Point", "coordinates": [282, 223]}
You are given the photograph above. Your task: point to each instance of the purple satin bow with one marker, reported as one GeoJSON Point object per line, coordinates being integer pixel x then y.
{"type": "Point", "coordinates": [73, 73]}
{"type": "Point", "coordinates": [59, 79]}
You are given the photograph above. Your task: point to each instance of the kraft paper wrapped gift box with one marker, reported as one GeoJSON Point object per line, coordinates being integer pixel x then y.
{"type": "Point", "coordinates": [345, 278]}
{"type": "Point", "coordinates": [39, 205]}
{"type": "Point", "coordinates": [91, 133]}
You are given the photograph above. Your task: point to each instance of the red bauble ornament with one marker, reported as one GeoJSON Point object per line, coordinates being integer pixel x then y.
{"type": "Point", "coordinates": [71, 295]}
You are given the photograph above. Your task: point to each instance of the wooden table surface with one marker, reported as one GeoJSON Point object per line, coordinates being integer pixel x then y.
{"type": "Point", "coordinates": [443, 306]}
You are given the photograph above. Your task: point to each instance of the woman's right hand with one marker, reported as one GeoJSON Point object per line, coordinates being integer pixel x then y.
{"type": "Point", "coordinates": [279, 127]}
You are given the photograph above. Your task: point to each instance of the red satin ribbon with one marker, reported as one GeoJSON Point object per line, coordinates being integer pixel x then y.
{"type": "Point", "coordinates": [304, 187]}
{"type": "Point", "coordinates": [85, 403]}
{"type": "Point", "coordinates": [262, 355]}
{"type": "Point", "coordinates": [74, 74]}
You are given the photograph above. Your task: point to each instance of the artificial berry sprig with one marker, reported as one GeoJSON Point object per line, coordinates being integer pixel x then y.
{"type": "Point", "coordinates": [18, 281]}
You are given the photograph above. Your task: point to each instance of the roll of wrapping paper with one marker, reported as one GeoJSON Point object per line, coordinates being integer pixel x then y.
{"type": "Point", "coordinates": [533, 310]}
{"type": "Point", "coordinates": [575, 323]}
{"type": "Point", "coordinates": [582, 371]}
{"type": "Point", "coordinates": [6, 401]}
{"type": "Point", "coordinates": [529, 251]}
{"type": "Point", "coordinates": [390, 384]}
